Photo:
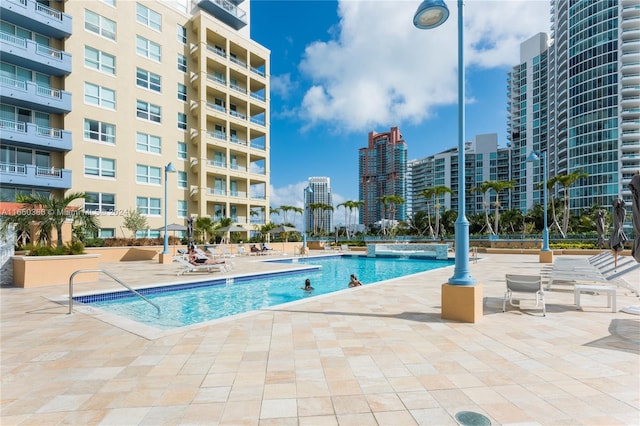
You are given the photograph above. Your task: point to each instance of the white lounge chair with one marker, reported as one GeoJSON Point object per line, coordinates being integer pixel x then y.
{"type": "Point", "coordinates": [529, 284]}
{"type": "Point", "coordinates": [208, 267]}
{"type": "Point", "coordinates": [221, 251]}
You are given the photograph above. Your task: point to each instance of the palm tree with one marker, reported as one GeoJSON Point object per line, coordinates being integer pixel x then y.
{"type": "Point", "coordinates": [554, 222]}
{"type": "Point", "coordinates": [295, 210]}
{"type": "Point", "coordinates": [483, 189]}
{"type": "Point", "coordinates": [346, 218]}
{"type": "Point", "coordinates": [54, 213]}
{"type": "Point", "coordinates": [384, 200]}
{"type": "Point", "coordinates": [203, 225]}
{"type": "Point", "coordinates": [498, 186]}
{"type": "Point", "coordinates": [436, 193]}
{"type": "Point", "coordinates": [21, 226]}
{"type": "Point", "coordinates": [274, 210]}
{"type": "Point", "coordinates": [566, 181]}
{"type": "Point", "coordinates": [285, 210]}
{"type": "Point", "coordinates": [315, 207]}
{"type": "Point", "coordinates": [354, 206]}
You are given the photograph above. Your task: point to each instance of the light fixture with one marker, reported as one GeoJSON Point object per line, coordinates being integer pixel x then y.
{"type": "Point", "coordinates": [536, 156]}
{"type": "Point", "coordinates": [169, 168]}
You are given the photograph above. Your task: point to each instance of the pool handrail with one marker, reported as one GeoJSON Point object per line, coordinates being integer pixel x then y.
{"type": "Point", "coordinates": [82, 271]}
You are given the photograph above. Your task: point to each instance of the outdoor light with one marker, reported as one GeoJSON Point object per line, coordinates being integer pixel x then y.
{"type": "Point", "coordinates": [535, 156]}
{"type": "Point", "coordinates": [307, 190]}
{"type": "Point", "coordinates": [430, 14]}
{"type": "Point", "coordinates": [167, 169]}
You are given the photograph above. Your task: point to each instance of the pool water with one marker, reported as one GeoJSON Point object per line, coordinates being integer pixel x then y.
{"type": "Point", "coordinates": [182, 305]}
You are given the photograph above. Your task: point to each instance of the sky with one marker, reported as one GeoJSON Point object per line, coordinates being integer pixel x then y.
{"type": "Point", "coordinates": [341, 69]}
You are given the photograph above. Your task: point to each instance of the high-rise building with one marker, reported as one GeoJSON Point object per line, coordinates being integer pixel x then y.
{"type": "Point", "coordinates": [485, 161]}
{"type": "Point", "coordinates": [138, 85]}
{"type": "Point", "coordinates": [318, 204]}
{"type": "Point", "coordinates": [587, 118]}
{"type": "Point", "coordinates": [382, 172]}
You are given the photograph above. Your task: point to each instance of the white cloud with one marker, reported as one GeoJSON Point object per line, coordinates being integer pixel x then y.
{"type": "Point", "coordinates": [282, 85]}
{"type": "Point", "coordinates": [379, 70]}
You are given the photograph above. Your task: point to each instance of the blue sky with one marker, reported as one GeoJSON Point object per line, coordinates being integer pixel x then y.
{"type": "Point", "coordinates": [340, 69]}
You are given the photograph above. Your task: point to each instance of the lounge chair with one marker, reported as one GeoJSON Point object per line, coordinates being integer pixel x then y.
{"type": "Point", "coordinates": [222, 252]}
{"type": "Point", "coordinates": [344, 247]}
{"type": "Point", "coordinates": [189, 267]}
{"type": "Point", "coordinates": [529, 284]}
{"type": "Point", "coordinates": [242, 251]}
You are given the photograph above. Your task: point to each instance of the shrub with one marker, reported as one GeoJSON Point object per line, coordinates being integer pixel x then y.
{"type": "Point", "coordinates": [70, 248]}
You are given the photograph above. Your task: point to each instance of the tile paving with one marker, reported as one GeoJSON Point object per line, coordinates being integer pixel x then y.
{"type": "Point", "coordinates": [374, 355]}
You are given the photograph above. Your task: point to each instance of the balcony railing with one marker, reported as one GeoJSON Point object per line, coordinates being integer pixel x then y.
{"type": "Point", "coordinates": [237, 61]}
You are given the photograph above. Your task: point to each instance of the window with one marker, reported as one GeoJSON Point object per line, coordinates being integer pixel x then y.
{"type": "Point", "coordinates": [148, 143]}
{"type": "Point", "coordinates": [148, 17]}
{"type": "Point", "coordinates": [147, 174]}
{"type": "Point", "coordinates": [99, 202]}
{"type": "Point", "coordinates": [148, 206]}
{"type": "Point", "coordinates": [106, 233]}
{"type": "Point", "coordinates": [148, 80]}
{"type": "Point", "coordinates": [182, 208]}
{"type": "Point", "coordinates": [100, 96]}
{"type": "Point", "coordinates": [182, 150]}
{"type": "Point", "coordinates": [182, 63]}
{"type": "Point", "coordinates": [182, 92]}
{"type": "Point", "coordinates": [100, 25]}
{"type": "Point", "coordinates": [182, 34]}
{"type": "Point", "coordinates": [182, 121]}
{"type": "Point", "coordinates": [148, 49]}
{"type": "Point", "coordinates": [99, 131]}
{"type": "Point", "coordinates": [98, 166]}
{"type": "Point", "coordinates": [110, 2]}
{"type": "Point", "coordinates": [148, 111]}
{"type": "Point", "coordinates": [182, 180]}
{"type": "Point", "coordinates": [99, 60]}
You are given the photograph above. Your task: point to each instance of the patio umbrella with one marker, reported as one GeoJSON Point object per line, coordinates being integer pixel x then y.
{"type": "Point", "coordinates": [173, 227]}
{"type": "Point", "coordinates": [600, 227]}
{"type": "Point", "coordinates": [280, 229]}
{"type": "Point", "coordinates": [231, 228]}
{"type": "Point", "coordinates": [634, 185]}
{"type": "Point", "coordinates": [618, 237]}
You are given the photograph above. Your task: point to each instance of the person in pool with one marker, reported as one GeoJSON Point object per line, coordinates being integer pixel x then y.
{"type": "Point", "coordinates": [307, 285]}
{"type": "Point", "coordinates": [354, 281]}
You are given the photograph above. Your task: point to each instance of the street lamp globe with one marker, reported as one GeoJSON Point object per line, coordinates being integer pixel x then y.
{"type": "Point", "coordinates": [430, 14]}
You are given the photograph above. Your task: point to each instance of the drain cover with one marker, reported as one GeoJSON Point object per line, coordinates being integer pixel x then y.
{"type": "Point", "coordinates": [469, 418]}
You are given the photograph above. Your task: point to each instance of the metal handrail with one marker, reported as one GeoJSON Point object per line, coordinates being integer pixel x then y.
{"type": "Point", "coordinates": [82, 271]}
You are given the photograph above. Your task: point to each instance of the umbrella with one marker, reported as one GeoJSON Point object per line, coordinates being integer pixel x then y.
{"type": "Point", "coordinates": [634, 185]}
{"type": "Point", "coordinates": [231, 228]}
{"type": "Point", "coordinates": [173, 227]}
{"type": "Point", "coordinates": [600, 227]}
{"type": "Point", "coordinates": [618, 237]}
{"type": "Point", "coordinates": [282, 228]}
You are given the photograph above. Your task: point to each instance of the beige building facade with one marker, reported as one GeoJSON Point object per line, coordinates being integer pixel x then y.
{"type": "Point", "coordinates": [154, 83]}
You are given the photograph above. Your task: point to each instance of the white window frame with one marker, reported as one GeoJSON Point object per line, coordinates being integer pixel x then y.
{"type": "Point", "coordinates": [148, 80]}
{"type": "Point", "coordinates": [182, 208]}
{"type": "Point", "coordinates": [182, 92]}
{"type": "Point", "coordinates": [100, 204]}
{"type": "Point", "coordinates": [102, 134]}
{"type": "Point", "coordinates": [147, 49]}
{"type": "Point", "coordinates": [182, 180]}
{"type": "Point", "coordinates": [148, 143]}
{"type": "Point", "coordinates": [148, 174]}
{"type": "Point", "coordinates": [101, 170]}
{"type": "Point", "coordinates": [101, 26]}
{"type": "Point", "coordinates": [100, 98]}
{"type": "Point", "coordinates": [148, 17]}
{"type": "Point", "coordinates": [182, 121]}
{"type": "Point", "coordinates": [101, 62]}
{"type": "Point", "coordinates": [149, 112]}
{"type": "Point", "coordinates": [182, 150]}
{"type": "Point", "coordinates": [181, 33]}
{"type": "Point", "coordinates": [182, 63]}
{"type": "Point", "coordinates": [144, 207]}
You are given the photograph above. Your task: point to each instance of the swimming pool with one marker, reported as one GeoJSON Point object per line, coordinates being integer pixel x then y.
{"type": "Point", "coordinates": [192, 303]}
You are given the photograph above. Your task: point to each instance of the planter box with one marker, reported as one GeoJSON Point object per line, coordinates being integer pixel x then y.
{"type": "Point", "coordinates": [38, 271]}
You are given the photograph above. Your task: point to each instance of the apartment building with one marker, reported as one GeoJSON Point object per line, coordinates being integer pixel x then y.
{"type": "Point", "coordinates": [316, 194]}
{"type": "Point", "coordinates": [148, 84]}
{"type": "Point", "coordinates": [382, 169]}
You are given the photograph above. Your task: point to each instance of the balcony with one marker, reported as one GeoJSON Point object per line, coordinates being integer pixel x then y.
{"type": "Point", "coordinates": [33, 176]}
{"type": "Point", "coordinates": [226, 11]}
{"type": "Point", "coordinates": [216, 192]}
{"type": "Point", "coordinates": [32, 136]}
{"type": "Point", "coordinates": [34, 56]}
{"type": "Point", "coordinates": [37, 17]}
{"type": "Point", "coordinates": [29, 95]}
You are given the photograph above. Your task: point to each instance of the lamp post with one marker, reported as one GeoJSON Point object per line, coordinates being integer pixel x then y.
{"type": "Point", "coordinates": [431, 14]}
{"type": "Point", "coordinates": [169, 168]}
{"type": "Point", "coordinates": [535, 156]}
{"type": "Point", "coordinates": [307, 190]}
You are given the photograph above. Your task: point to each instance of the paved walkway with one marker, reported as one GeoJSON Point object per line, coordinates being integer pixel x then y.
{"type": "Point", "coordinates": [373, 355]}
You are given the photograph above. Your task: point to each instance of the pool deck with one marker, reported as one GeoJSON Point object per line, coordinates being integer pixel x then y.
{"type": "Point", "coordinates": [373, 355]}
